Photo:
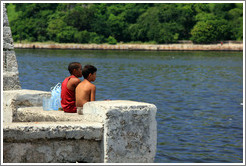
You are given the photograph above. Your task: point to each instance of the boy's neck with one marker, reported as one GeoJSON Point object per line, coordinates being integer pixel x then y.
{"type": "Point", "coordinates": [74, 75]}
{"type": "Point", "coordinates": [87, 80]}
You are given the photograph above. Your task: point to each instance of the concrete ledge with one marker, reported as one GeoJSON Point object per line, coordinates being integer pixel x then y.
{"type": "Point", "coordinates": [25, 97]}
{"type": "Point", "coordinates": [14, 99]}
{"type": "Point", "coordinates": [11, 80]}
{"type": "Point", "coordinates": [10, 62]}
{"type": "Point", "coordinates": [150, 47]}
{"type": "Point", "coordinates": [53, 151]}
{"type": "Point", "coordinates": [130, 130]}
{"type": "Point", "coordinates": [22, 132]}
{"type": "Point", "coordinates": [37, 114]}
{"type": "Point", "coordinates": [117, 131]}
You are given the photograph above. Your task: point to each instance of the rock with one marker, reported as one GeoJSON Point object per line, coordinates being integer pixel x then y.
{"type": "Point", "coordinates": [10, 67]}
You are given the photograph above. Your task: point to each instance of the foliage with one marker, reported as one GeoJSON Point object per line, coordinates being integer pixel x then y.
{"type": "Point", "coordinates": [210, 28]}
{"type": "Point", "coordinates": [125, 22]}
{"type": "Point", "coordinates": [111, 40]}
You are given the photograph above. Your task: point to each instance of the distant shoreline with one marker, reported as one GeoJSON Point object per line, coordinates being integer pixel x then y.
{"type": "Point", "coordinates": [136, 47]}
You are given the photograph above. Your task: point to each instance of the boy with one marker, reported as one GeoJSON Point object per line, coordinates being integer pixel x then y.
{"type": "Point", "coordinates": [68, 87]}
{"type": "Point", "coordinates": [86, 91]}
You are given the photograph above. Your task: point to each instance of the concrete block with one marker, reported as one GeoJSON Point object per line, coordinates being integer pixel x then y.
{"type": "Point", "coordinates": [10, 61]}
{"type": "Point", "coordinates": [14, 99]}
{"type": "Point", "coordinates": [5, 17]}
{"type": "Point", "coordinates": [4, 61]}
{"type": "Point", "coordinates": [7, 39]}
{"type": "Point", "coordinates": [37, 114]}
{"type": "Point", "coordinates": [7, 46]}
{"type": "Point", "coordinates": [11, 81]}
{"type": "Point", "coordinates": [10, 68]}
{"type": "Point", "coordinates": [31, 131]}
{"type": "Point", "coordinates": [130, 130]}
{"type": "Point", "coordinates": [120, 131]}
{"type": "Point", "coordinates": [52, 142]}
{"type": "Point", "coordinates": [52, 151]}
{"type": "Point", "coordinates": [26, 97]}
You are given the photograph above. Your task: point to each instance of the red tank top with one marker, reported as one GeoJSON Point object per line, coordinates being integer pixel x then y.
{"type": "Point", "coordinates": [68, 97]}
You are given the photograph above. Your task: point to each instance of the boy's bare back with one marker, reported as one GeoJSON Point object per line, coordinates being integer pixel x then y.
{"type": "Point", "coordinates": [85, 92]}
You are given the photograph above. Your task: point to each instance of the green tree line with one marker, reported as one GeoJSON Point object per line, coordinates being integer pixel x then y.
{"type": "Point", "coordinates": [125, 22]}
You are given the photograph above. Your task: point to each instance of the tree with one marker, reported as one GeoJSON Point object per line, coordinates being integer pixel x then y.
{"type": "Point", "coordinates": [144, 22]}
{"type": "Point", "coordinates": [116, 25]}
{"type": "Point", "coordinates": [66, 35]}
{"type": "Point", "coordinates": [95, 38]}
{"type": "Point", "coordinates": [236, 22]}
{"type": "Point", "coordinates": [31, 22]}
{"type": "Point", "coordinates": [209, 31]}
{"type": "Point", "coordinates": [147, 25]}
{"type": "Point", "coordinates": [99, 22]}
{"type": "Point", "coordinates": [82, 37]}
{"type": "Point", "coordinates": [80, 17]}
{"type": "Point", "coordinates": [111, 40]}
{"type": "Point", "coordinates": [158, 23]}
{"type": "Point", "coordinates": [221, 9]}
{"type": "Point", "coordinates": [55, 26]}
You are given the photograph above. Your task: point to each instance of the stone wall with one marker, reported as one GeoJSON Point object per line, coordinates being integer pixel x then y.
{"type": "Point", "coordinates": [49, 142]}
{"type": "Point", "coordinates": [10, 66]}
{"type": "Point", "coordinates": [16, 99]}
{"type": "Point", "coordinates": [130, 130]}
{"type": "Point", "coordinates": [117, 131]}
{"type": "Point", "coordinates": [229, 46]}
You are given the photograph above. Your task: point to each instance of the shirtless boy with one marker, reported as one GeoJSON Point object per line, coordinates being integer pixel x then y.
{"type": "Point", "coordinates": [68, 87]}
{"type": "Point", "coordinates": [86, 91]}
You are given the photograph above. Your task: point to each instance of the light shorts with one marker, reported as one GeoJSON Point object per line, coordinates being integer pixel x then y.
{"type": "Point", "coordinates": [80, 110]}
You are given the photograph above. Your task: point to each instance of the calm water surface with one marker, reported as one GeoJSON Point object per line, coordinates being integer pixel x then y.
{"type": "Point", "coordinates": [198, 94]}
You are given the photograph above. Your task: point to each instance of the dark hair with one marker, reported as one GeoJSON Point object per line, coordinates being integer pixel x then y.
{"type": "Point", "coordinates": [88, 69]}
{"type": "Point", "coordinates": [72, 66]}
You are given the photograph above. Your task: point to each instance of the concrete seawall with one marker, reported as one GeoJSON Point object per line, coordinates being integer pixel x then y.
{"type": "Point", "coordinates": [229, 46]}
{"type": "Point", "coordinates": [117, 131]}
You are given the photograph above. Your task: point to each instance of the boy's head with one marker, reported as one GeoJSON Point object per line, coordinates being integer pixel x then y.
{"type": "Point", "coordinates": [89, 72]}
{"type": "Point", "coordinates": [75, 68]}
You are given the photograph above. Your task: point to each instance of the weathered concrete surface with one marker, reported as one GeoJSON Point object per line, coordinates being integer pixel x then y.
{"type": "Point", "coordinates": [130, 130]}
{"type": "Point", "coordinates": [50, 136]}
{"type": "Point", "coordinates": [10, 62]}
{"type": "Point", "coordinates": [116, 131]}
{"type": "Point", "coordinates": [150, 47]}
{"type": "Point", "coordinates": [52, 142]}
{"type": "Point", "coordinates": [37, 114]}
{"type": "Point", "coordinates": [14, 99]}
{"type": "Point", "coordinates": [53, 151]}
{"type": "Point", "coordinates": [10, 81]}
{"type": "Point", "coordinates": [22, 132]}
{"type": "Point", "coordinates": [10, 66]}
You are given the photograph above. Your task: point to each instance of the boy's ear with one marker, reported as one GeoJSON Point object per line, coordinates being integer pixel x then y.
{"type": "Point", "coordinates": [74, 70]}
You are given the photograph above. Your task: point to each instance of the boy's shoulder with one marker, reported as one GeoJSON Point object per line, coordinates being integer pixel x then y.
{"type": "Point", "coordinates": [91, 85]}
{"type": "Point", "coordinates": [75, 80]}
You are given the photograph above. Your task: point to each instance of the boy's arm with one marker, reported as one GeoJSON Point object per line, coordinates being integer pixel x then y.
{"type": "Point", "coordinates": [72, 83]}
{"type": "Point", "coordinates": [93, 93]}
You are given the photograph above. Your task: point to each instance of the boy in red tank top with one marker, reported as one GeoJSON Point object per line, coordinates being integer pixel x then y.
{"type": "Point", "coordinates": [68, 87]}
